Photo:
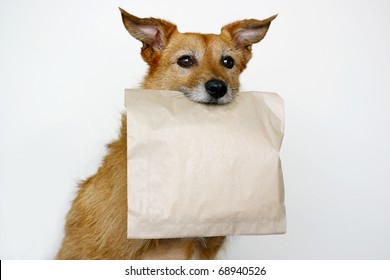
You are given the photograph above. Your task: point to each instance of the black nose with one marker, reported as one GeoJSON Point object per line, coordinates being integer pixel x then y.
{"type": "Point", "coordinates": [216, 88]}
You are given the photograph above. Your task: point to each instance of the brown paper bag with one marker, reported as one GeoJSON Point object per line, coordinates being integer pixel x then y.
{"type": "Point", "coordinates": [204, 170]}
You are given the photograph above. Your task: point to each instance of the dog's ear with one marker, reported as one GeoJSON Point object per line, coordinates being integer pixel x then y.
{"type": "Point", "coordinates": [153, 33]}
{"type": "Point", "coordinates": [246, 32]}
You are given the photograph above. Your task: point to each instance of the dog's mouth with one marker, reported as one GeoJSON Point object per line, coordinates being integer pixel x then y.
{"type": "Point", "coordinates": [207, 100]}
{"type": "Point", "coordinates": [200, 95]}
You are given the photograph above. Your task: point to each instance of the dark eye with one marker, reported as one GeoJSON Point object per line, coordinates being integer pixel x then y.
{"type": "Point", "coordinates": [228, 62]}
{"type": "Point", "coordinates": [186, 61]}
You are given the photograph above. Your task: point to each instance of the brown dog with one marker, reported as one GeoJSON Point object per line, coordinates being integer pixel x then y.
{"type": "Point", "coordinates": [206, 68]}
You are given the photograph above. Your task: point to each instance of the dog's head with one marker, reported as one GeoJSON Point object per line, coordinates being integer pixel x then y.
{"type": "Point", "coordinates": [205, 67]}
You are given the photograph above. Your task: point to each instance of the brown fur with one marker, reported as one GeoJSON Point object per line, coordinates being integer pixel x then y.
{"type": "Point", "coordinates": [96, 224]}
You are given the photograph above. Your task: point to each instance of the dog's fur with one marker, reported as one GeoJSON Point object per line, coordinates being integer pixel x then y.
{"type": "Point", "coordinates": [97, 223]}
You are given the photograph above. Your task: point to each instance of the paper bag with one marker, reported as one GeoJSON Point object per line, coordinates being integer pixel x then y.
{"type": "Point", "coordinates": [204, 170]}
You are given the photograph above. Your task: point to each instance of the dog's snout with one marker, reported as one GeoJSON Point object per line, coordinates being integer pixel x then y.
{"type": "Point", "coordinates": [216, 88]}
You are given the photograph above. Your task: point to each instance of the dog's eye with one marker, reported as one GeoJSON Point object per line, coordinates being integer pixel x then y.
{"type": "Point", "coordinates": [228, 62]}
{"type": "Point", "coordinates": [186, 61]}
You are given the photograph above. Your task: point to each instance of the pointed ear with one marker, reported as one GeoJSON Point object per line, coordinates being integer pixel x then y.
{"type": "Point", "coordinates": [244, 33]}
{"type": "Point", "coordinates": [153, 33]}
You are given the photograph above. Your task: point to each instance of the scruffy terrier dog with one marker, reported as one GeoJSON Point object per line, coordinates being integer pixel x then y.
{"type": "Point", "coordinates": [206, 69]}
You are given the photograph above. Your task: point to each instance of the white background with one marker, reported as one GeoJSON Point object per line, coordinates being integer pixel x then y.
{"type": "Point", "coordinates": [63, 68]}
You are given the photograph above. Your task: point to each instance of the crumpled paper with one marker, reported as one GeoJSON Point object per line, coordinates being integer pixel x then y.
{"type": "Point", "coordinates": [204, 170]}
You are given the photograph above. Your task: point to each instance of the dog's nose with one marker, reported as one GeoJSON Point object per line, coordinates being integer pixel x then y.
{"type": "Point", "coordinates": [216, 88]}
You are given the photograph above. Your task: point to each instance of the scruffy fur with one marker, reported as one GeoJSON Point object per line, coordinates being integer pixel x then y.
{"type": "Point", "coordinates": [96, 224]}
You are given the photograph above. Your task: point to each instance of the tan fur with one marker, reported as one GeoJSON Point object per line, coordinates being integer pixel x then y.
{"type": "Point", "coordinates": [96, 224]}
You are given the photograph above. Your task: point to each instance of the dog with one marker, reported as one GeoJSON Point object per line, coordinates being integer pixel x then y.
{"type": "Point", "coordinates": [206, 69]}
